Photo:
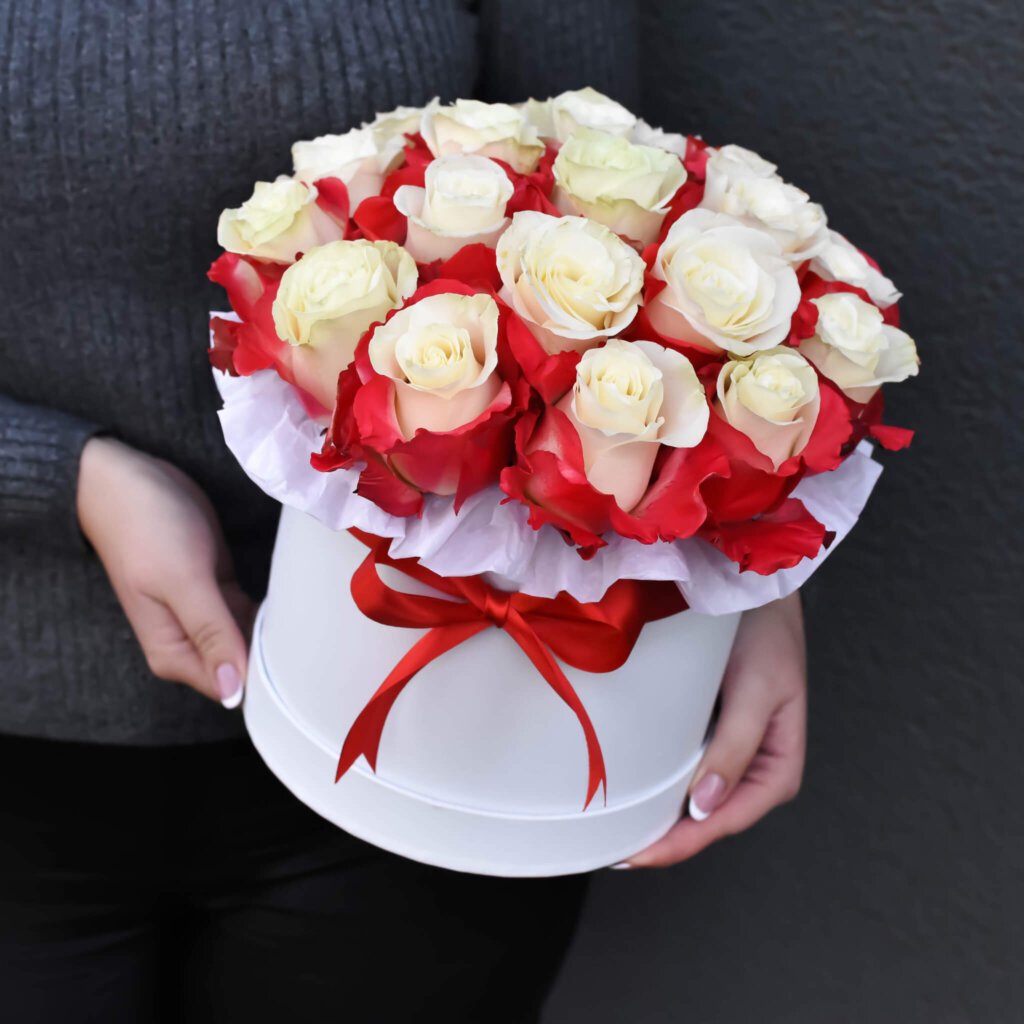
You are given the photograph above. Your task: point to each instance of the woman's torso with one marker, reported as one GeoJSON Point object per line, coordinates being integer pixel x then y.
{"type": "Point", "coordinates": [125, 129]}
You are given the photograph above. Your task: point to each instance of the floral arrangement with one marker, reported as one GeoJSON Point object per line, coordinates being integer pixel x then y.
{"type": "Point", "coordinates": [575, 372]}
{"type": "Point", "coordinates": [629, 334]}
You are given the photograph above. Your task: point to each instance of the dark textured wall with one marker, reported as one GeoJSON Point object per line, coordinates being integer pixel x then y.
{"type": "Point", "coordinates": [892, 890]}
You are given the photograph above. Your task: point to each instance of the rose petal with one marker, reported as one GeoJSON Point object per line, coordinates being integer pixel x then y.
{"type": "Point", "coordinates": [775, 541]}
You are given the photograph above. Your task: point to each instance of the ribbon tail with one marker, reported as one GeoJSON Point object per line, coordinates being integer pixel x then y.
{"type": "Point", "coordinates": [544, 661]}
{"type": "Point", "coordinates": [364, 734]}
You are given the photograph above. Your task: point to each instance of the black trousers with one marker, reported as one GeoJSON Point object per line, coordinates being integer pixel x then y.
{"type": "Point", "coordinates": [187, 884]}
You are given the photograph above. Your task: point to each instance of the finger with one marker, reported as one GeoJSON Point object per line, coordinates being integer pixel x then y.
{"type": "Point", "coordinates": [748, 803]}
{"type": "Point", "coordinates": [206, 616]}
{"type": "Point", "coordinates": [772, 778]}
{"type": "Point", "coordinates": [242, 607]}
{"type": "Point", "coordinates": [742, 723]}
{"type": "Point", "coordinates": [168, 650]}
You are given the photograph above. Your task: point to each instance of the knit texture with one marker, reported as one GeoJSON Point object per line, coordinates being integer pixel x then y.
{"type": "Point", "coordinates": [125, 129]}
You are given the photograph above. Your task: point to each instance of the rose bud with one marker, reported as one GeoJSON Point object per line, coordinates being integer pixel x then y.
{"type": "Point", "coordinates": [840, 260]}
{"type": "Point", "coordinates": [359, 157]}
{"type": "Point", "coordinates": [442, 353]}
{"type": "Point", "coordinates": [855, 349]}
{"type": "Point", "coordinates": [328, 299]}
{"type": "Point", "coordinates": [463, 202]}
{"type": "Point", "coordinates": [279, 220]}
{"type": "Point", "coordinates": [432, 399]}
{"type": "Point", "coordinates": [557, 118]}
{"type": "Point", "coordinates": [644, 134]}
{"type": "Point", "coordinates": [352, 158]}
{"type": "Point", "coordinates": [488, 129]}
{"type": "Point", "coordinates": [629, 398]}
{"type": "Point", "coordinates": [626, 187]}
{"type": "Point", "coordinates": [771, 397]}
{"type": "Point", "coordinates": [389, 130]}
{"type": "Point", "coordinates": [573, 281]}
{"type": "Point", "coordinates": [728, 286]}
{"type": "Point", "coordinates": [744, 185]}
{"type": "Point", "coordinates": [743, 160]}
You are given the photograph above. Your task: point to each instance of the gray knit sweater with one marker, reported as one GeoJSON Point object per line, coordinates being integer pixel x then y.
{"type": "Point", "coordinates": [125, 127]}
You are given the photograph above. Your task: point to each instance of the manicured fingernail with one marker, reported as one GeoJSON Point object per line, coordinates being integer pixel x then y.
{"type": "Point", "coordinates": [706, 796]}
{"type": "Point", "coordinates": [229, 683]}
{"type": "Point", "coordinates": [620, 866]}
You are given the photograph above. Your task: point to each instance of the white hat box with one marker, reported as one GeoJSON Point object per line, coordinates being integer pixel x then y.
{"type": "Point", "coordinates": [481, 767]}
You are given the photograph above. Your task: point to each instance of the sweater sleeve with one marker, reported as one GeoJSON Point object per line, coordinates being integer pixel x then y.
{"type": "Point", "coordinates": [40, 450]}
{"type": "Point", "coordinates": [539, 48]}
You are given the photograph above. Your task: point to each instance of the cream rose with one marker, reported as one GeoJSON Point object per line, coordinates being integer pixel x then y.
{"type": "Point", "coordinates": [389, 130]}
{"type": "Point", "coordinates": [624, 186]}
{"type": "Point", "coordinates": [442, 353]}
{"type": "Point", "coordinates": [328, 299]}
{"type": "Point", "coordinates": [773, 398]}
{"type": "Point", "coordinates": [351, 157]}
{"type": "Point", "coordinates": [728, 286]}
{"type": "Point", "coordinates": [629, 398]}
{"type": "Point", "coordinates": [360, 157]}
{"type": "Point", "coordinates": [647, 135]}
{"type": "Point", "coordinates": [463, 202]}
{"type": "Point", "coordinates": [562, 115]}
{"type": "Point", "coordinates": [855, 349]}
{"type": "Point", "coordinates": [840, 260]}
{"type": "Point", "coordinates": [744, 185]}
{"type": "Point", "coordinates": [746, 159]}
{"type": "Point", "coordinates": [488, 129]}
{"type": "Point", "coordinates": [573, 281]}
{"type": "Point", "coordinates": [279, 220]}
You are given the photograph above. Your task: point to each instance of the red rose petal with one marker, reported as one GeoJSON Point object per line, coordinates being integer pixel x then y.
{"type": "Point", "coordinates": [775, 541]}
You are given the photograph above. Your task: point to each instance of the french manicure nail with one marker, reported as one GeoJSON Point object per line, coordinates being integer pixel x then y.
{"type": "Point", "coordinates": [706, 796]}
{"type": "Point", "coordinates": [229, 684]}
{"type": "Point", "coordinates": [621, 865]}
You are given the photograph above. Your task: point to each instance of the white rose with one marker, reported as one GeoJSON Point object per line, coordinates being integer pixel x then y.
{"type": "Point", "coordinates": [442, 353]}
{"type": "Point", "coordinates": [588, 108]}
{"type": "Point", "coordinates": [855, 349]}
{"type": "Point", "coordinates": [463, 202]}
{"type": "Point", "coordinates": [279, 220]}
{"type": "Point", "coordinates": [728, 286]}
{"type": "Point", "coordinates": [647, 135]}
{"type": "Point", "coordinates": [330, 297]}
{"type": "Point", "coordinates": [629, 398]}
{"type": "Point", "coordinates": [840, 260]}
{"type": "Point", "coordinates": [626, 187]}
{"type": "Point", "coordinates": [744, 185]}
{"type": "Point", "coordinates": [488, 129]}
{"type": "Point", "coordinates": [573, 281]}
{"type": "Point", "coordinates": [773, 398]}
{"type": "Point", "coordinates": [351, 157]}
{"type": "Point", "coordinates": [745, 158]}
{"type": "Point", "coordinates": [389, 130]}
{"type": "Point", "coordinates": [538, 116]}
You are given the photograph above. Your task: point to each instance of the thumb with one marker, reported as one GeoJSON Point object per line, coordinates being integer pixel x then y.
{"type": "Point", "coordinates": [741, 727]}
{"type": "Point", "coordinates": [215, 634]}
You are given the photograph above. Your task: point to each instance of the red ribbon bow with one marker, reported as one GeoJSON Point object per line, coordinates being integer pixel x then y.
{"type": "Point", "coordinates": [595, 636]}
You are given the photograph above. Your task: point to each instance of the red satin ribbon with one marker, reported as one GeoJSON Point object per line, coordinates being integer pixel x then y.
{"type": "Point", "coordinates": [596, 636]}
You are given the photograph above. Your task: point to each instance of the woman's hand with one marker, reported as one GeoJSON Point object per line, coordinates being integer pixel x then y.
{"type": "Point", "coordinates": [755, 760]}
{"type": "Point", "coordinates": [162, 547]}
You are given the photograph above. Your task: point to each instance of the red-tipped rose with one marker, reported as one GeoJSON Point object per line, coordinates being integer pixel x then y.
{"type": "Point", "coordinates": [430, 401]}
{"type": "Point", "coordinates": [620, 452]}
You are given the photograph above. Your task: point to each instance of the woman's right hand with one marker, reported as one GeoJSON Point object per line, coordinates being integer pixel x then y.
{"type": "Point", "coordinates": [162, 546]}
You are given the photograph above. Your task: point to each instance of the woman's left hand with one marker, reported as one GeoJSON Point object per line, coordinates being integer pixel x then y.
{"type": "Point", "coordinates": [755, 761]}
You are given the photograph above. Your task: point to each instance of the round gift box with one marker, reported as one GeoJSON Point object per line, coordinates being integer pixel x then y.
{"type": "Point", "coordinates": [481, 766]}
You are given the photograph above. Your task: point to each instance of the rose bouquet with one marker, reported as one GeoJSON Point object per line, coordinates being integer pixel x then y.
{"type": "Point", "coordinates": [547, 368]}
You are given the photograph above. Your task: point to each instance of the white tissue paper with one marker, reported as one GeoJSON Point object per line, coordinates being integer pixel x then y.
{"type": "Point", "coordinates": [271, 435]}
